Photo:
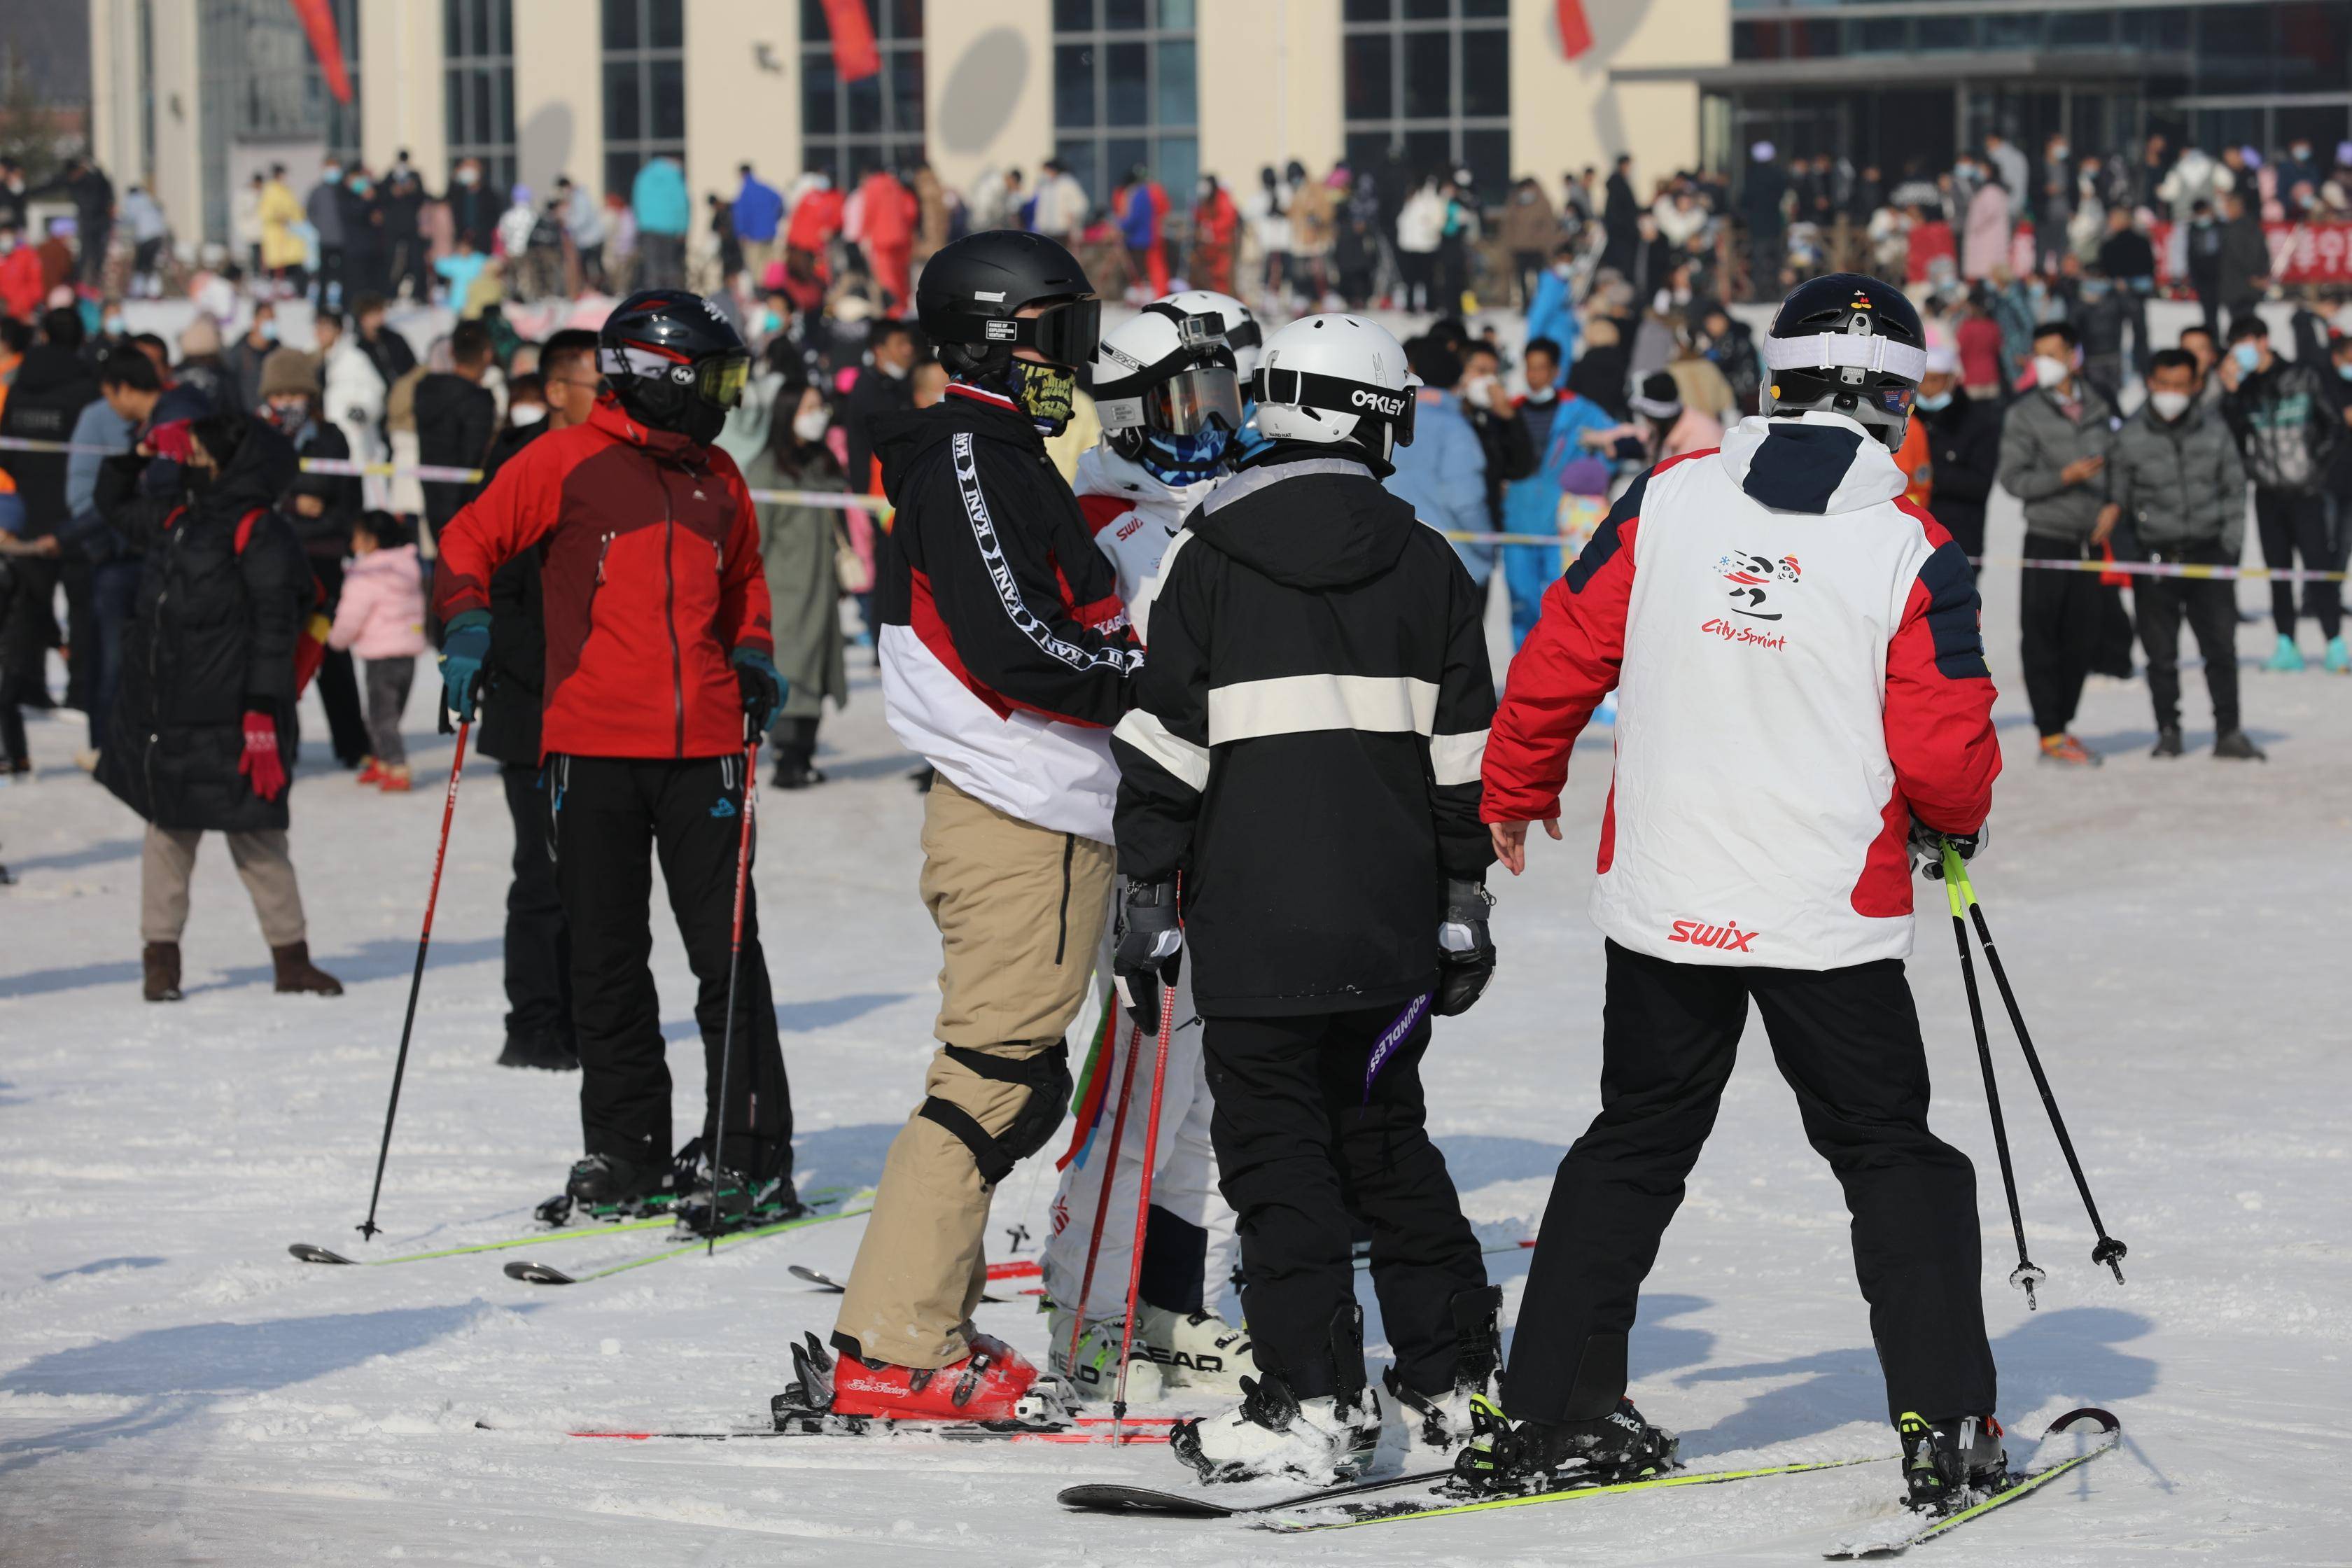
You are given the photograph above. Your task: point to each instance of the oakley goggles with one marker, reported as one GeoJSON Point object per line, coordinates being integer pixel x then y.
{"type": "Point", "coordinates": [1066, 334]}
{"type": "Point", "coordinates": [1336, 395]}
{"type": "Point", "coordinates": [717, 378]}
{"type": "Point", "coordinates": [1184, 404]}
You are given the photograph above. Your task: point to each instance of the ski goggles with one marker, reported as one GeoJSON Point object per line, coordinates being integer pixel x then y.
{"type": "Point", "coordinates": [1338, 394]}
{"type": "Point", "coordinates": [718, 378]}
{"type": "Point", "coordinates": [1066, 333]}
{"type": "Point", "coordinates": [1184, 404]}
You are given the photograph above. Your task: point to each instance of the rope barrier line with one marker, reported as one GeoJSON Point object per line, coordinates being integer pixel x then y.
{"type": "Point", "coordinates": [840, 501]}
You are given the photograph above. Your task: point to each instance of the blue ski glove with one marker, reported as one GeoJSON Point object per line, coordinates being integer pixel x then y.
{"type": "Point", "coordinates": [464, 648]}
{"type": "Point", "coordinates": [764, 689]}
{"type": "Point", "coordinates": [1150, 950]}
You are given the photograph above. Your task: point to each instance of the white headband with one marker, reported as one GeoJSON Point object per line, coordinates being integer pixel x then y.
{"type": "Point", "coordinates": [1832, 351]}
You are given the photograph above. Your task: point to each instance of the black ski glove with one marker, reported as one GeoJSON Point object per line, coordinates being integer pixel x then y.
{"type": "Point", "coordinates": [1150, 950]}
{"type": "Point", "coordinates": [1465, 958]}
{"type": "Point", "coordinates": [1927, 846]}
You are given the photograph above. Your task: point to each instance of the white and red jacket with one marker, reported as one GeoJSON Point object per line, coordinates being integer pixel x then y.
{"type": "Point", "coordinates": [1134, 518]}
{"type": "Point", "coordinates": [1799, 670]}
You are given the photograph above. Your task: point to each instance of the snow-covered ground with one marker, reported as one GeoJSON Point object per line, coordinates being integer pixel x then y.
{"type": "Point", "coordinates": [175, 1388]}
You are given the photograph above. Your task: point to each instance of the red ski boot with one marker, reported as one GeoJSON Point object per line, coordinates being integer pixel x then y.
{"type": "Point", "coordinates": [993, 1386]}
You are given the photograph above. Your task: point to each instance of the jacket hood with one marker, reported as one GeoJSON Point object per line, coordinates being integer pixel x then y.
{"type": "Point", "coordinates": [46, 365]}
{"type": "Point", "coordinates": [900, 439]}
{"type": "Point", "coordinates": [257, 475]}
{"type": "Point", "coordinates": [1816, 462]}
{"type": "Point", "coordinates": [1348, 528]}
{"type": "Point", "coordinates": [1102, 471]}
{"type": "Point", "coordinates": [610, 417]}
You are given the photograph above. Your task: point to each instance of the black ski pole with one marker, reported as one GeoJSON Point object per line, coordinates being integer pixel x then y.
{"type": "Point", "coordinates": [2026, 1275]}
{"type": "Point", "coordinates": [416, 980]}
{"type": "Point", "coordinates": [2108, 1251]}
{"type": "Point", "coordinates": [727, 1034]}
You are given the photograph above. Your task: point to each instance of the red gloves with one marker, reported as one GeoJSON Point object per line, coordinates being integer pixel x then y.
{"type": "Point", "coordinates": [261, 762]}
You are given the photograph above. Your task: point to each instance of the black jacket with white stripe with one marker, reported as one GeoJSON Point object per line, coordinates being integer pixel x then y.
{"type": "Point", "coordinates": [1005, 651]}
{"type": "Point", "coordinates": [1307, 737]}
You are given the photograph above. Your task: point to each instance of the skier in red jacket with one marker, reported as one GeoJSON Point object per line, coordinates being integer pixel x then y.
{"type": "Point", "coordinates": [658, 655]}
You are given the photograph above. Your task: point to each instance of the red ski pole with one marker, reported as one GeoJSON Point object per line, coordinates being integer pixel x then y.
{"type": "Point", "coordinates": [1102, 1198]}
{"type": "Point", "coordinates": [734, 966]}
{"type": "Point", "coordinates": [1143, 1205]}
{"type": "Point", "coordinates": [417, 981]}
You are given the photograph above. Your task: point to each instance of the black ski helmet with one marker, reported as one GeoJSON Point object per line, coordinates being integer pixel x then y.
{"type": "Point", "coordinates": [673, 361]}
{"type": "Point", "coordinates": [1851, 345]}
{"type": "Point", "coordinates": [973, 289]}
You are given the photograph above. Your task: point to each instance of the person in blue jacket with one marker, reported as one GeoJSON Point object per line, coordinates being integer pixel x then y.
{"type": "Point", "coordinates": [1553, 313]}
{"type": "Point", "coordinates": [659, 197]}
{"type": "Point", "coordinates": [1443, 472]}
{"type": "Point", "coordinates": [1556, 423]}
{"type": "Point", "coordinates": [758, 213]}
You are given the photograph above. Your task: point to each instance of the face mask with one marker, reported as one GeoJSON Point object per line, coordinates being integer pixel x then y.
{"type": "Point", "coordinates": [2092, 289]}
{"type": "Point", "coordinates": [1043, 391]}
{"type": "Point", "coordinates": [2058, 150]}
{"type": "Point", "coordinates": [1934, 404]}
{"type": "Point", "coordinates": [1186, 459]}
{"type": "Point", "coordinates": [467, 177]}
{"type": "Point", "coordinates": [1561, 269]}
{"type": "Point", "coordinates": [895, 372]}
{"type": "Point", "coordinates": [330, 173]}
{"type": "Point", "coordinates": [265, 331]}
{"type": "Point", "coordinates": [811, 427]}
{"type": "Point", "coordinates": [2249, 357]}
{"type": "Point", "coordinates": [2050, 372]}
{"type": "Point", "coordinates": [2344, 370]}
{"type": "Point", "coordinates": [1543, 393]}
{"type": "Point", "coordinates": [113, 326]}
{"type": "Point", "coordinates": [287, 417]}
{"type": "Point", "coordinates": [2302, 154]}
{"type": "Point", "coordinates": [525, 414]}
{"type": "Point", "coordinates": [2168, 405]}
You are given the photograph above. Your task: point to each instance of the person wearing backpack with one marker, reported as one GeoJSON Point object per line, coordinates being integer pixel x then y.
{"type": "Point", "coordinates": [202, 728]}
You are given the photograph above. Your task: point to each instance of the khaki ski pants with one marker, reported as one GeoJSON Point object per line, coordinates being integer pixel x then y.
{"type": "Point", "coordinates": [1020, 911]}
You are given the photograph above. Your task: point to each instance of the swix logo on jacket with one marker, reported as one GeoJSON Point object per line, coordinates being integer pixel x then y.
{"type": "Point", "coordinates": [1134, 519]}
{"type": "Point", "coordinates": [1766, 769]}
{"type": "Point", "coordinates": [650, 568]}
{"type": "Point", "coordinates": [1005, 653]}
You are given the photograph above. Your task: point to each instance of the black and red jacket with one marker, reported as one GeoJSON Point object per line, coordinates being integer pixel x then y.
{"type": "Point", "coordinates": [1006, 655]}
{"type": "Point", "coordinates": [650, 569]}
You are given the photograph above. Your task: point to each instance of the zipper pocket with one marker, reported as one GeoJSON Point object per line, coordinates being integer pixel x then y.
{"type": "Point", "coordinates": [1062, 934]}
{"type": "Point", "coordinates": [595, 586]}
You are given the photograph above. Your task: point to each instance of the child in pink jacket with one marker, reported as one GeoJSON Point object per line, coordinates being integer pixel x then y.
{"type": "Point", "coordinates": [380, 617]}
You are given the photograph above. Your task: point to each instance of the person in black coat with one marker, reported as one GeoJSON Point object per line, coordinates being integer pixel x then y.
{"type": "Point", "coordinates": [1963, 451]}
{"type": "Point", "coordinates": [203, 736]}
{"type": "Point", "coordinates": [54, 384]}
{"type": "Point", "coordinates": [885, 387]}
{"type": "Point", "coordinates": [455, 419]}
{"type": "Point", "coordinates": [323, 508]}
{"type": "Point", "coordinates": [1620, 216]}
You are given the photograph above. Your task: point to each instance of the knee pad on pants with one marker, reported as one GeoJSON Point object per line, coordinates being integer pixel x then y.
{"type": "Point", "coordinates": [1046, 1076]}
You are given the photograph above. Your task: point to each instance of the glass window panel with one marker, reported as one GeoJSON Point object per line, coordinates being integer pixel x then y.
{"type": "Point", "coordinates": [906, 91]}
{"type": "Point", "coordinates": [2232, 55]}
{"type": "Point", "coordinates": [669, 119]}
{"type": "Point", "coordinates": [906, 18]}
{"type": "Point", "coordinates": [453, 26]}
{"type": "Point", "coordinates": [1487, 154]}
{"type": "Point", "coordinates": [479, 90]}
{"type": "Point", "coordinates": [2314, 40]}
{"type": "Point", "coordinates": [501, 26]}
{"type": "Point", "coordinates": [1369, 59]}
{"type": "Point", "coordinates": [2165, 28]}
{"type": "Point", "coordinates": [820, 95]}
{"type": "Point", "coordinates": [1179, 168]}
{"type": "Point", "coordinates": [1429, 152]}
{"type": "Point", "coordinates": [504, 80]}
{"type": "Point", "coordinates": [1121, 154]}
{"type": "Point", "coordinates": [1485, 71]}
{"type": "Point", "coordinates": [1367, 148]}
{"type": "Point", "coordinates": [1755, 40]}
{"type": "Point", "coordinates": [1125, 15]}
{"type": "Point", "coordinates": [1179, 97]}
{"type": "Point", "coordinates": [624, 115]}
{"type": "Point", "coordinates": [453, 113]}
{"type": "Point", "coordinates": [2082, 29]}
{"type": "Point", "coordinates": [620, 24]}
{"type": "Point", "coordinates": [1428, 76]}
{"type": "Point", "coordinates": [1948, 33]}
{"type": "Point", "coordinates": [813, 27]}
{"type": "Point", "coordinates": [1176, 15]}
{"type": "Point", "coordinates": [1882, 35]}
{"type": "Point", "coordinates": [667, 24]}
{"type": "Point", "coordinates": [620, 170]}
{"type": "Point", "coordinates": [863, 97]}
{"type": "Point", "coordinates": [1486, 7]}
{"type": "Point", "coordinates": [815, 156]}
{"type": "Point", "coordinates": [1073, 85]}
{"type": "Point", "coordinates": [1125, 91]}
{"type": "Point", "coordinates": [1370, 10]}
{"type": "Point", "coordinates": [478, 34]}
{"type": "Point", "coordinates": [1426, 10]}
{"type": "Point", "coordinates": [1069, 16]}
{"type": "Point", "coordinates": [1078, 157]}
{"type": "Point", "coordinates": [2009, 30]}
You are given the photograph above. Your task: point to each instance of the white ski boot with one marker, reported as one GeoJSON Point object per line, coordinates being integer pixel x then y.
{"type": "Point", "coordinates": [1320, 1441]}
{"type": "Point", "coordinates": [1093, 1373]}
{"type": "Point", "coordinates": [1196, 1349]}
{"type": "Point", "coordinates": [1440, 1422]}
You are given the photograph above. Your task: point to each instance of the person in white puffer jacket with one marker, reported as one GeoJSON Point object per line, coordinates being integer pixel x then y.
{"type": "Point", "coordinates": [1166, 386]}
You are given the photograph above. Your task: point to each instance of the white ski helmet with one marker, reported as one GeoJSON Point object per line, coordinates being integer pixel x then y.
{"type": "Point", "coordinates": [1242, 333]}
{"type": "Point", "coordinates": [1329, 378]}
{"type": "Point", "coordinates": [1165, 388]}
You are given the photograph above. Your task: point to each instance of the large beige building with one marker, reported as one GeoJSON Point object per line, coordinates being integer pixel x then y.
{"type": "Point", "coordinates": [194, 94]}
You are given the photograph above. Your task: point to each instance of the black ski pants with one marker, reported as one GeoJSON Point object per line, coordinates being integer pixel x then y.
{"type": "Point", "coordinates": [1847, 1041]}
{"type": "Point", "coordinates": [2292, 526]}
{"type": "Point", "coordinates": [2210, 608]}
{"type": "Point", "coordinates": [1302, 1144]}
{"type": "Point", "coordinates": [538, 944]}
{"type": "Point", "coordinates": [607, 812]}
{"type": "Point", "coordinates": [2060, 616]}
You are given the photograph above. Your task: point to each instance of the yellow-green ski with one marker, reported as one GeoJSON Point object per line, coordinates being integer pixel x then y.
{"type": "Point", "coordinates": [540, 1274]}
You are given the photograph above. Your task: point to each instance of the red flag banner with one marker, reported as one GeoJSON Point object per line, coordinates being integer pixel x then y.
{"type": "Point", "coordinates": [1575, 31]}
{"type": "Point", "coordinates": [318, 19]}
{"type": "Point", "coordinates": [854, 54]}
